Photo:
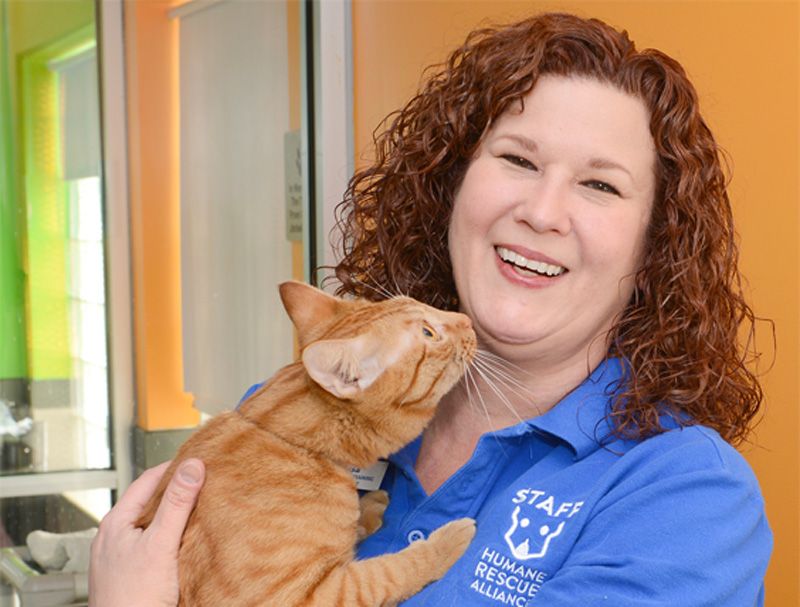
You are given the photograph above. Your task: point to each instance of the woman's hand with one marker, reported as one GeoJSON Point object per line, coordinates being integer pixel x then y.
{"type": "Point", "coordinates": [131, 567]}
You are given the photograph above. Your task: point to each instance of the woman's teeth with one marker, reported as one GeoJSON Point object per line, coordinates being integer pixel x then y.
{"type": "Point", "coordinates": [528, 266]}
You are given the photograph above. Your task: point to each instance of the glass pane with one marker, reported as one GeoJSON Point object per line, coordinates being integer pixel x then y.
{"type": "Point", "coordinates": [39, 570]}
{"type": "Point", "coordinates": [54, 407]}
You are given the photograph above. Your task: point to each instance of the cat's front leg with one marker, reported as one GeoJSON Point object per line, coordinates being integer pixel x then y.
{"type": "Point", "coordinates": [388, 579]}
{"type": "Point", "coordinates": [371, 506]}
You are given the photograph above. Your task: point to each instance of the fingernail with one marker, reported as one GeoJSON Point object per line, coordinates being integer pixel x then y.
{"type": "Point", "coordinates": [190, 473]}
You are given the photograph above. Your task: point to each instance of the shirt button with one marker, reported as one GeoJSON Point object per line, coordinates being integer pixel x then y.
{"type": "Point", "coordinates": [415, 535]}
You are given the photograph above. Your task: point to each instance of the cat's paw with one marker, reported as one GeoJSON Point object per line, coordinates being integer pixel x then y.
{"type": "Point", "coordinates": [372, 506]}
{"type": "Point", "coordinates": [451, 540]}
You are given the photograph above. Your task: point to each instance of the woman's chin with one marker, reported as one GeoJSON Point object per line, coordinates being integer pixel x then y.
{"type": "Point", "coordinates": [508, 340]}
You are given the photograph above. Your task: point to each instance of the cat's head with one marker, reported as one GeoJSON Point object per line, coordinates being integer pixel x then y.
{"type": "Point", "coordinates": [392, 359]}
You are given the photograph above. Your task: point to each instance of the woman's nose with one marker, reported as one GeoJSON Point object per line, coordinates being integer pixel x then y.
{"type": "Point", "coordinates": [544, 205]}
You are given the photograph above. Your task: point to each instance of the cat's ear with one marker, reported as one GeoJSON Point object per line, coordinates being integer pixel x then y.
{"type": "Point", "coordinates": [345, 367]}
{"type": "Point", "coordinates": [307, 306]}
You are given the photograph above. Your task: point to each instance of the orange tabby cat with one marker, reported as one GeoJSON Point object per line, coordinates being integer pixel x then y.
{"type": "Point", "coordinates": [278, 517]}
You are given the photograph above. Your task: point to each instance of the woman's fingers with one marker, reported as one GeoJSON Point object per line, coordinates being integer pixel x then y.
{"type": "Point", "coordinates": [177, 504]}
{"type": "Point", "coordinates": [134, 567]}
{"type": "Point", "coordinates": [131, 504]}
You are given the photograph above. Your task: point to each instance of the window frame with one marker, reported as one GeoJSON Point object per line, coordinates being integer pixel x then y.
{"type": "Point", "coordinates": [118, 272]}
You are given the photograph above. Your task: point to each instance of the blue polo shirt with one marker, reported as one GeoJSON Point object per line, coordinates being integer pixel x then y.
{"type": "Point", "coordinates": [674, 520]}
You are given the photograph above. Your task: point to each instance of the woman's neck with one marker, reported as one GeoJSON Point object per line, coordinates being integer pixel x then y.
{"type": "Point", "coordinates": [505, 393]}
{"type": "Point", "coordinates": [494, 394]}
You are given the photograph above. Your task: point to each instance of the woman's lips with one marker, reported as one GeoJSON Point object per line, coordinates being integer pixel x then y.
{"type": "Point", "coordinates": [528, 264]}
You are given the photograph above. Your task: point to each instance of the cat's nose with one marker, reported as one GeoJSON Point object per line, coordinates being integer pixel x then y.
{"type": "Point", "coordinates": [463, 322]}
{"type": "Point", "coordinates": [460, 322]}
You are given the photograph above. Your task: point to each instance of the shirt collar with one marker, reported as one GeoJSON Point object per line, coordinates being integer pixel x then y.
{"type": "Point", "coordinates": [579, 419]}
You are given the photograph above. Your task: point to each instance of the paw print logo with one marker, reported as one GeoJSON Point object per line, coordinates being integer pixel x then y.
{"type": "Point", "coordinates": [528, 539]}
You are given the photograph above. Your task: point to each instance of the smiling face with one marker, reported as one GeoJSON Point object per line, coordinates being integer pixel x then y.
{"type": "Point", "coordinates": [548, 224]}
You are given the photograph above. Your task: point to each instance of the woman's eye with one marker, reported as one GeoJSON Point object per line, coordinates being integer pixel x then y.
{"type": "Point", "coordinates": [519, 161]}
{"type": "Point", "coordinates": [428, 332]}
{"type": "Point", "coordinates": [602, 186]}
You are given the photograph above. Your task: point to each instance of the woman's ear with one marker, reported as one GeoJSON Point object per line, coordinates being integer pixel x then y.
{"type": "Point", "coordinates": [344, 367]}
{"type": "Point", "coordinates": [307, 306]}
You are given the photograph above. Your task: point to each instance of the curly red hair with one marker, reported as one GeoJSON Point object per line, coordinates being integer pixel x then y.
{"type": "Point", "coordinates": [679, 333]}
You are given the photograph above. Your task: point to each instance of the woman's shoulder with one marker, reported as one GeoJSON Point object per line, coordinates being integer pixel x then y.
{"type": "Point", "coordinates": [692, 456]}
{"type": "Point", "coordinates": [696, 446]}
{"type": "Point", "coordinates": [715, 451]}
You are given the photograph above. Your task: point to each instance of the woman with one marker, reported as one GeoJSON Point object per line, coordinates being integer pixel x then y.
{"type": "Point", "coordinates": [562, 189]}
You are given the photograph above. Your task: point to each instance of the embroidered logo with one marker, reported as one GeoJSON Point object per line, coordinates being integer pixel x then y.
{"type": "Point", "coordinates": [540, 540]}
{"type": "Point", "coordinates": [532, 529]}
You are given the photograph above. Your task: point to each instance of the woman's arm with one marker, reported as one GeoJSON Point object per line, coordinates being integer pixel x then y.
{"type": "Point", "coordinates": [132, 567]}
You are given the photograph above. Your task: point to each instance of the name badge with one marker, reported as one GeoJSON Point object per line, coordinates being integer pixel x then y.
{"type": "Point", "coordinates": [369, 479]}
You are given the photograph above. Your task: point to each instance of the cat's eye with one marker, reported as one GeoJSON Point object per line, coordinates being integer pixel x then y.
{"type": "Point", "coordinates": [429, 332]}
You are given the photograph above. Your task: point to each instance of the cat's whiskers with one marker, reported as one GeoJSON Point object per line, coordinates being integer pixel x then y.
{"type": "Point", "coordinates": [389, 294]}
{"type": "Point", "coordinates": [506, 392]}
{"type": "Point", "coordinates": [504, 376]}
{"type": "Point", "coordinates": [507, 374]}
{"type": "Point", "coordinates": [488, 356]}
{"type": "Point", "coordinates": [382, 289]}
{"type": "Point", "coordinates": [398, 289]}
{"type": "Point", "coordinates": [399, 292]}
{"type": "Point", "coordinates": [470, 378]}
{"type": "Point", "coordinates": [491, 383]}
{"type": "Point", "coordinates": [376, 287]}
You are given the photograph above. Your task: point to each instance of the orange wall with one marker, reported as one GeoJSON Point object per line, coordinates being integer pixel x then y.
{"type": "Point", "coordinates": [743, 58]}
{"type": "Point", "coordinates": [154, 164]}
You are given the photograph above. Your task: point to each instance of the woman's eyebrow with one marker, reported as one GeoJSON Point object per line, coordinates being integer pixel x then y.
{"type": "Point", "coordinates": [525, 143]}
{"type": "Point", "coordinates": [605, 163]}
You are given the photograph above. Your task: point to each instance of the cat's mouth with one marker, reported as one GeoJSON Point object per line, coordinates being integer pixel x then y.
{"type": "Point", "coordinates": [529, 267]}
